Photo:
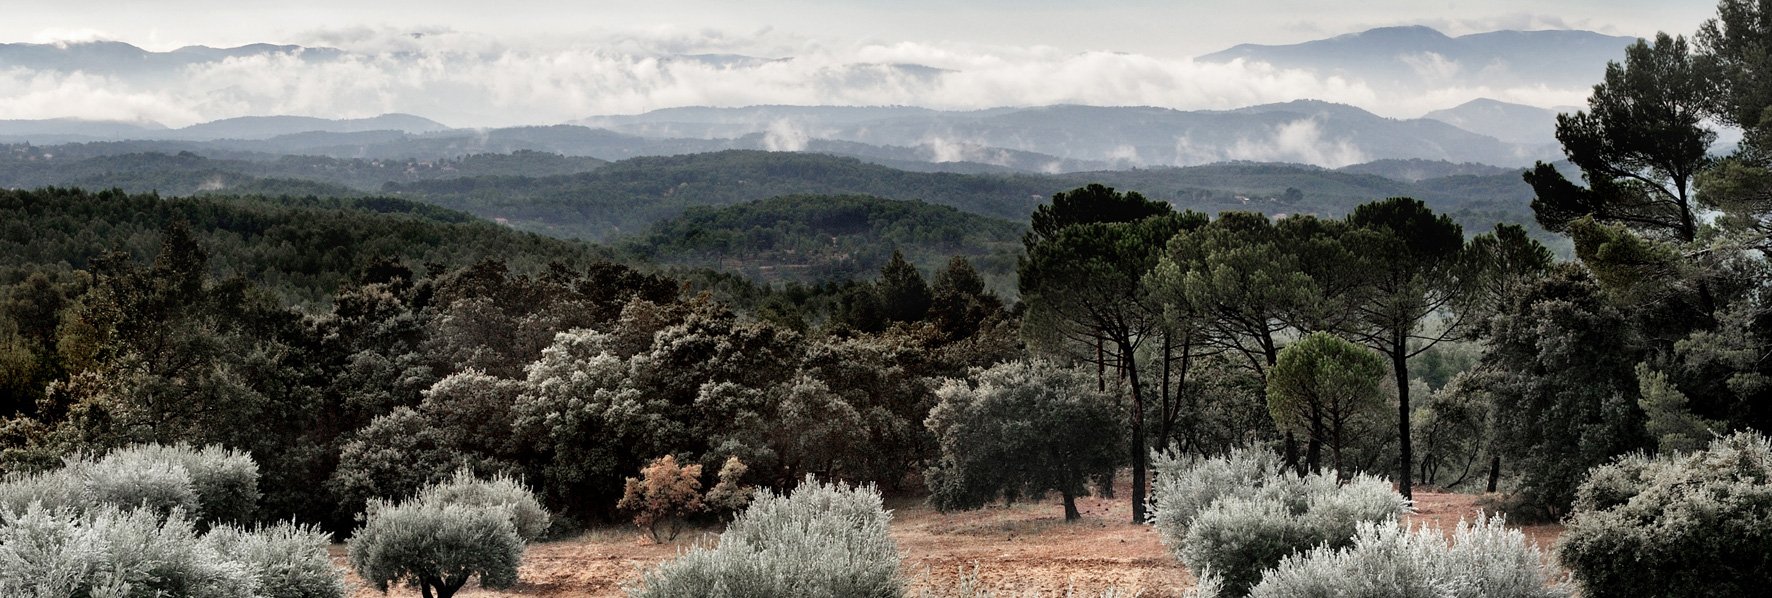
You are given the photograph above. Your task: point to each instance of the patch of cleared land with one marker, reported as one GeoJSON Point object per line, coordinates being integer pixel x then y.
{"type": "Point", "coordinates": [1023, 550]}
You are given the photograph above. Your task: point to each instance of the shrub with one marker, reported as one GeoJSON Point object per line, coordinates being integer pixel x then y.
{"type": "Point", "coordinates": [1240, 514]}
{"type": "Point", "coordinates": [663, 496]}
{"type": "Point", "coordinates": [447, 534]}
{"type": "Point", "coordinates": [287, 560]}
{"type": "Point", "coordinates": [1183, 486]}
{"type": "Point", "coordinates": [130, 481]}
{"type": "Point", "coordinates": [1698, 524]}
{"type": "Point", "coordinates": [1386, 560]}
{"type": "Point", "coordinates": [224, 480]}
{"type": "Point", "coordinates": [212, 484]}
{"type": "Point", "coordinates": [729, 494]}
{"type": "Point", "coordinates": [528, 517]}
{"type": "Point", "coordinates": [824, 540]}
{"type": "Point", "coordinates": [106, 551]}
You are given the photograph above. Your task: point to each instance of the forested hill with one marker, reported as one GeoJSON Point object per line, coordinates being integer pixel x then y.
{"type": "Point", "coordinates": [585, 198]}
{"type": "Point", "coordinates": [813, 238]}
{"type": "Point", "coordinates": [626, 197]}
{"type": "Point", "coordinates": [170, 169]}
{"type": "Point", "coordinates": [300, 249]}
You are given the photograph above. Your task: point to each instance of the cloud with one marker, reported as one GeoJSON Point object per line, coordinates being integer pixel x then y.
{"type": "Point", "coordinates": [466, 79]}
{"type": "Point", "coordinates": [1299, 141]}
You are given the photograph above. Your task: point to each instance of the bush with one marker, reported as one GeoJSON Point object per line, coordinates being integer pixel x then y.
{"type": "Point", "coordinates": [287, 560]}
{"type": "Point", "coordinates": [1240, 514]}
{"type": "Point", "coordinates": [528, 517]}
{"type": "Point", "coordinates": [824, 540]}
{"type": "Point", "coordinates": [1698, 524]}
{"type": "Point", "coordinates": [212, 485]}
{"type": "Point", "coordinates": [663, 496]}
{"type": "Point", "coordinates": [1386, 560]}
{"type": "Point", "coordinates": [447, 534]}
{"type": "Point", "coordinates": [224, 480]}
{"type": "Point", "coordinates": [1183, 486]}
{"type": "Point", "coordinates": [728, 493]}
{"type": "Point", "coordinates": [62, 552]}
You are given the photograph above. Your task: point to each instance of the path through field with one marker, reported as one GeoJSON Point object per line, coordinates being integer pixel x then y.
{"type": "Point", "coordinates": [1024, 550]}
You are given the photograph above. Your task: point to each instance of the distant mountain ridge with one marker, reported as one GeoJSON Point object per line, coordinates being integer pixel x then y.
{"type": "Point", "coordinates": [1392, 58]}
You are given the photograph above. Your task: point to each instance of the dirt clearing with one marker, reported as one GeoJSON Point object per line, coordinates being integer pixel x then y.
{"type": "Point", "coordinates": [1023, 550]}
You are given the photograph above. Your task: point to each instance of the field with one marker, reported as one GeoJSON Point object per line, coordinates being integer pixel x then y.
{"type": "Point", "coordinates": [1022, 550]}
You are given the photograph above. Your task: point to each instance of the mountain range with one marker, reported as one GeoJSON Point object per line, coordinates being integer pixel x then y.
{"type": "Point", "coordinates": [1048, 138]}
{"type": "Point", "coordinates": [1416, 57]}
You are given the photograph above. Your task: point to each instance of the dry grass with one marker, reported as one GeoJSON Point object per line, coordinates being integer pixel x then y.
{"type": "Point", "coordinates": [1022, 550]}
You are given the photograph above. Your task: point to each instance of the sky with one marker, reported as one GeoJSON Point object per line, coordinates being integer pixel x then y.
{"type": "Point", "coordinates": [1172, 28]}
{"type": "Point", "coordinates": [480, 63]}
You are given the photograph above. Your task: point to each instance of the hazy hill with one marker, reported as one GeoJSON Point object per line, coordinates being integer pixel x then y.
{"type": "Point", "coordinates": [627, 197]}
{"type": "Point", "coordinates": [265, 127]}
{"type": "Point", "coordinates": [1317, 133]}
{"type": "Point", "coordinates": [1514, 123]}
{"type": "Point", "coordinates": [1417, 57]}
{"type": "Point", "coordinates": [135, 167]}
{"type": "Point", "coordinates": [1417, 170]}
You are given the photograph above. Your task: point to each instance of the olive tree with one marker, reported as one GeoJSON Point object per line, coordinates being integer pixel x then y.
{"type": "Point", "coordinates": [446, 535]}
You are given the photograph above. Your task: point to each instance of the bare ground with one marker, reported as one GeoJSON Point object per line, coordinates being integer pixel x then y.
{"type": "Point", "coordinates": [1022, 550]}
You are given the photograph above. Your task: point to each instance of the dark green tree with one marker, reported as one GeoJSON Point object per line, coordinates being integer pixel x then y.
{"type": "Point", "coordinates": [1411, 272]}
{"type": "Point", "coordinates": [1560, 370]}
{"type": "Point", "coordinates": [1083, 287]}
{"type": "Point", "coordinates": [1090, 204]}
{"type": "Point", "coordinates": [903, 295]}
{"type": "Point", "coordinates": [1640, 144]}
{"type": "Point", "coordinates": [1021, 429]}
{"type": "Point", "coordinates": [1322, 384]}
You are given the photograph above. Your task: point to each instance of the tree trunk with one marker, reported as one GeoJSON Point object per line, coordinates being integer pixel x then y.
{"type": "Point", "coordinates": [1494, 471]}
{"type": "Point", "coordinates": [451, 586]}
{"type": "Point", "coordinates": [1100, 368]}
{"type": "Point", "coordinates": [1313, 450]}
{"type": "Point", "coordinates": [1292, 461]}
{"type": "Point", "coordinates": [1400, 363]}
{"type": "Point", "coordinates": [424, 587]}
{"type": "Point", "coordinates": [1335, 447]}
{"type": "Point", "coordinates": [1139, 454]}
{"type": "Point", "coordinates": [1070, 506]}
{"type": "Point", "coordinates": [1166, 420]}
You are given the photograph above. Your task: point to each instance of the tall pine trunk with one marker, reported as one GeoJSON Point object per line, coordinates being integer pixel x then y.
{"type": "Point", "coordinates": [1139, 454]}
{"type": "Point", "coordinates": [1400, 364]}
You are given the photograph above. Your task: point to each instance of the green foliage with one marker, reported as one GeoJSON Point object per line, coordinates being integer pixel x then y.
{"type": "Point", "coordinates": [1093, 203]}
{"type": "Point", "coordinates": [813, 238]}
{"type": "Point", "coordinates": [1639, 144]}
{"type": "Point", "coordinates": [447, 534]}
{"type": "Point", "coordinates": [1321, 385]}
{"type": "Point", "coordinates": [819, 540]}
{"type": "Point", "coordinates": [1694, 524]}
{"type": "Point", "coordinates": [1388, 560]}
{"type": "Point", "coordinates": [1561, 374]}
{"type": "Point", "coordinates": [1020, 429]}
{"type": "Point", "coordinates": [904, 297]}
{"type": "Point", "coordinates": [528, 517]}
{"type": "Point", "coordinates": [302, 249]}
